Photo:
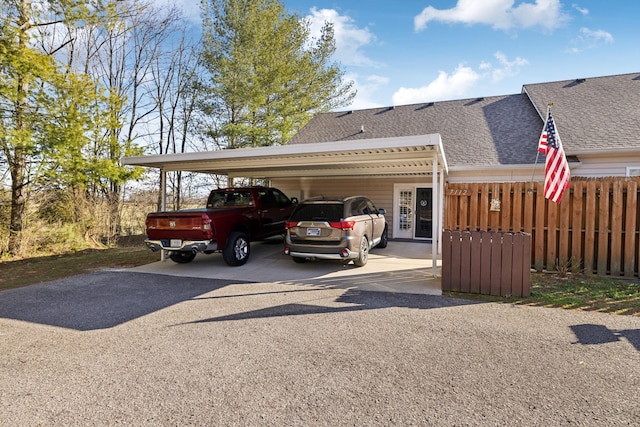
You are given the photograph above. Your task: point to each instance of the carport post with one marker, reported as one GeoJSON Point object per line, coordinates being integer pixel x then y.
{"type": "Point", "coordinates": [163, 200]}
{"type": "Point", "coordinates": [435, 226]}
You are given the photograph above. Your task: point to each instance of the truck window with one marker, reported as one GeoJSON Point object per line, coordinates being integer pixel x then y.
{"type": "Point", "coordinates": [225, 199]}
{"type": "Point", "coordinates": [280, 198]}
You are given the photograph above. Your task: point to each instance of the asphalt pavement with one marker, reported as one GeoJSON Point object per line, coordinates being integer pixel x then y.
{"type": "Point", "coordinates": [145, 349]}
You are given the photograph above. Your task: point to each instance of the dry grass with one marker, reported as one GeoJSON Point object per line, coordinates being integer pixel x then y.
{"type": "Point", "coordinates": [28, 271]}
{"type": "Point", "coordinates": [576, 292]}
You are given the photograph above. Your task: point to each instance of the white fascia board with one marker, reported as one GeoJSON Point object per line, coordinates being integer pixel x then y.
{"type": "Point", "coordinates": [290, 150]}
{"type": "Point", "coordinates": [443, 159]}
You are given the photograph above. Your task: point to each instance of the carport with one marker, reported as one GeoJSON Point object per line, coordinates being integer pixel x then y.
{"type": "Point", "coordinates": [411, 156]}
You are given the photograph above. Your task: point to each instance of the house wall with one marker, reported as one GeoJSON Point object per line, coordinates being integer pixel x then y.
{"type": "Point", "coordinates": [496, 174]}
{"type": "Point", "coordinates": [379, 190]}
{"type": "Point", "coordinates": [591, 166]}
{"type": "Point", "coordinates": [602, 164]}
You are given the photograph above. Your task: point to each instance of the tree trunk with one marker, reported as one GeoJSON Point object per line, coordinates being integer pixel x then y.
{"type": "Point", "coordinates": [18, 201]}
{"type": "Point", "coordinates": [18, 162]}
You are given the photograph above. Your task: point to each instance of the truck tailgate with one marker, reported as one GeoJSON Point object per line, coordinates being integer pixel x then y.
{"type": "Point", "coordinates": [181, 225]}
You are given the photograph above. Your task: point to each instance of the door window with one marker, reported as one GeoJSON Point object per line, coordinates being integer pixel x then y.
{"type": "Point", "coordinates": [424, 212]}
{"type": "Point", "coordinates": [406, 213]}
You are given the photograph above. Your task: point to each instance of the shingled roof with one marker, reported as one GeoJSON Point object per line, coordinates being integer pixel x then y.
{"type": "Point", "coordinates": [501, 130]}
{"type": "Point", "coordinates": [592, 113]}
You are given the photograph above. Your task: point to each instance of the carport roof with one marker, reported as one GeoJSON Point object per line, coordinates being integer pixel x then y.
{"type": "Point", "coordinates": [402, 156]}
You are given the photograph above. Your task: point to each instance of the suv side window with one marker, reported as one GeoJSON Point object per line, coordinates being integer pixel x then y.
{"type": "Point", "coordinates": [358, 206]}
{"type": "Point", "coordinates": [371, 209]}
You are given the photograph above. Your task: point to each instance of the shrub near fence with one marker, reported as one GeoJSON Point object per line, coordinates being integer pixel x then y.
{"type": "Point", "coordinates": [594, 229]}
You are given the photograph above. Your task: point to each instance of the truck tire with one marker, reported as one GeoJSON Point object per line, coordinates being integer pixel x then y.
{"type": "Point", "coordinates": [237, 250]}
{"type": "Point", "coordinates": [182, 257]}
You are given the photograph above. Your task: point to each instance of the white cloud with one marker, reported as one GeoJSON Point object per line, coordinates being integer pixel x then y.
{"type": "Point", "coordinates": [444, 87]}
{"type": "Point", "coordinates": [500, 14]}
{"type": "Point", "coordinates": [461, 82]}
{"type": "Point", "coordinates": [596, 36]}
{"type": "Point", "coordinates": [507, 68]}
{"type": "Point", "coordinates": [584, 11]}
{"type": "Point", "coordinates": [349, 38]}
{"type": "Point", "coordinates": [367, 89]}
{"type": "Point", "coordinates": [589, 39]}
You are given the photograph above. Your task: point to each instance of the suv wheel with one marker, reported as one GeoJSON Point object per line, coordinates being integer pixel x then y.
{"type": "Point", "coordinates": [363, 256]}
{"type": "Point", "coordinates": [384, 239]}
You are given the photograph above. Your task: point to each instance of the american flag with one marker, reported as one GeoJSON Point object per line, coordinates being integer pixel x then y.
{"type": "Point", "coordinates": [542, 144]}
{"type": "Point", "coordinates": [556, 173]}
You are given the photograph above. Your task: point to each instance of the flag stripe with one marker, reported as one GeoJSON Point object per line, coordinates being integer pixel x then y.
{"type": "Point", "coordinates": [556, 176]}
{"type": "Point", "coordinates": [542, 144]}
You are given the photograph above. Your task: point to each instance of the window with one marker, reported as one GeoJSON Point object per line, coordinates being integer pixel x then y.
{"type": "Point", "coordinates": [220, 199]}
{"type": "Point", "coordinates": [633, 170]}
{"type": "Point", "coordinates": [280, 198]}
{"type": "Point", "coordinates": [371, 209]}
{"type": "Point", "coordinates": [318, 212]}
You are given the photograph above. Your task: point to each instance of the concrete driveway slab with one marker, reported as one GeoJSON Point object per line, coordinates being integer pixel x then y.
{"type": "Point", "coordinates": [400, 267]}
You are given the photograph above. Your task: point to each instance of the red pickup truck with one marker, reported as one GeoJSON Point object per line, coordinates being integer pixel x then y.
{"type": "Point", "coordinates": [233, 218]}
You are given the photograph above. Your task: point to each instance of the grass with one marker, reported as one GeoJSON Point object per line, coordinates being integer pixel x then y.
{"type": "Point", "coordinates": [575, 292]}
{"type": "Point", "coordinates": [29, 271]}
{"type": "Point", "coordinates": [570, 291]}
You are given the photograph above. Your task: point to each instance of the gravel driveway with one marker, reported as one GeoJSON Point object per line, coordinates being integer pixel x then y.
{"type": "Point", "coordinates": [119, 347]}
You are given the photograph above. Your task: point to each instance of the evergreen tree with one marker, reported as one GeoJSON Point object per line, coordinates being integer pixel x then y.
{"type": "Point", "coordinates": [267, 77]}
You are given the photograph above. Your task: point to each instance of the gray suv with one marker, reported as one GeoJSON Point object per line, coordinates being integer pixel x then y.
{"type": "Point", "coordinates": [344, 228]}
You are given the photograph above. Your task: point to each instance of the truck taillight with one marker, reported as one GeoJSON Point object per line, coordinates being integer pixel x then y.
{"type": "Point", "coordinates": [206, 223]}
{"type": "Point", "coordinates": [343, 225]}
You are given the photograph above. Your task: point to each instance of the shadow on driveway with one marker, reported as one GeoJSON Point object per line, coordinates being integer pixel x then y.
{"type": "Point", "coordinates": [358, 300]}
{"type": "Point", "coordinates": [100, 300]}
{"type": "Point", "coordinates": [106, 299]}
{"type": "Point", "coordinates": [599, 334]}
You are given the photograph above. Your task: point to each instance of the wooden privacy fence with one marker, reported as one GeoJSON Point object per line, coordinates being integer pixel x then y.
{"type": "Point", "coordinates": [486, 262]}
{"type": "Point", "coordinates": [594, 229]}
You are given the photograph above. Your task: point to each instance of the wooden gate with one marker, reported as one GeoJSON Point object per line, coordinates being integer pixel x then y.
{"type": "Point", "coordinates": [483, 262]}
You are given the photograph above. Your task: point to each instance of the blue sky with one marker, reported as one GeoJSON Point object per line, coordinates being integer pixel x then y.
{"type": "Point", "coordinates": [416, 51]}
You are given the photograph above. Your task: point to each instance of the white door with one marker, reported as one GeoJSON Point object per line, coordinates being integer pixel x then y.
{"type": "Point", "coordinates": [403, 213]}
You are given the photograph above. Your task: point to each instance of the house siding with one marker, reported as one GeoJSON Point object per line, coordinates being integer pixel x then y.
{"type": "Point", "coordinates": [379, 190]}
{"type": "Point", "coordinates": [594, 166]}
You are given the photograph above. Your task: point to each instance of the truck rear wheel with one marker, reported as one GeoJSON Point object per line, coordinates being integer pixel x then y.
{"type": "Point", "coordinates": [182, 257]}
{"type": "Point", "coordinates": [237, 250]}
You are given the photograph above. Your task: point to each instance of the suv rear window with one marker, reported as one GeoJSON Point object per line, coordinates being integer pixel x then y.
{"type": "Point", "coordinates": [318, 212]}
